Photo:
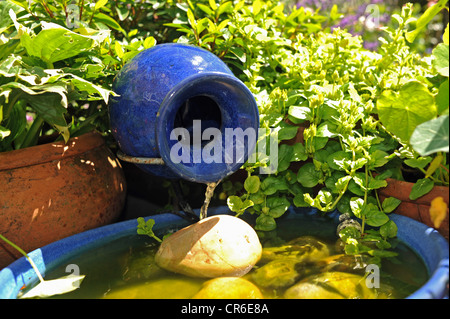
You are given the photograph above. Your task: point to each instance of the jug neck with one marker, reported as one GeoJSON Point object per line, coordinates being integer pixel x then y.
{"type": "Point", "coordinates": [207, 126]}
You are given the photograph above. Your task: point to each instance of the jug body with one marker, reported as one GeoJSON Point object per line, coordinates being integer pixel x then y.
{"type": "Point", "coordinates": [182, 104]}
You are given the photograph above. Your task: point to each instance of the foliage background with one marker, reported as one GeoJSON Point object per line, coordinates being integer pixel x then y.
{"type": "Point", "coordinates": [328, 69]}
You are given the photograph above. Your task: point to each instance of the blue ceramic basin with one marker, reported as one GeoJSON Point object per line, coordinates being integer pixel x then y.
{"type": "Point", "coordinates": [425, 241]}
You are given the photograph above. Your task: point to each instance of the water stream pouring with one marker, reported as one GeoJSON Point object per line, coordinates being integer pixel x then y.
{"type": "Point", "coordinates": [180, 113]}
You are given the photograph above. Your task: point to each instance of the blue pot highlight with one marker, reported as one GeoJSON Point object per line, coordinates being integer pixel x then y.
{"type": "Point", "coordinates": [425, 241]}
{"type": "Point", "coordinates": [169, 86]}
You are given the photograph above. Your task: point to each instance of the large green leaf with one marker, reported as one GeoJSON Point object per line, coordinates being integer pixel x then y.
{"type": "Point", "coordinates": [401, 112]}
{"type": "Point", "coordinates": [252, 184]}
{"type": "Point", "coordinates": [374, 217]}
{"type": "Point", "coordinates": [285, 153]}
{"type": "Point", "coordinates": [308, 176]}
{"type": "Point", "coordinates": [48, 106]}
{"type": "Point", "coordinates": [300, 112]}
{"type": "Point", "coordinates": [235, 204]}
{"type": "Point", "coordinates": [55, 43]}
{"type": "Point", "coordinates": [5, 6]}
{"type": "Point", "coordinates": [442, 98]}
{"type": "Point", "coordinates": [390, 204]}
{"type": "Point", "coordinates": [105, 19]}
{"type": "Point", "coordinates": [431, 136]}
{"type": "Point", "coordinates": [441, 56]}
{"type": "Point", "coordinates": [49, 100]}
{"type": "Point", "coordinates": [271, 184]}
{"type": "Point", "coordinates": [277, 206]}
{"type": "Point", "coordinates": [90, 87]}
{"type": "Point", "coordinates": [422, 187]}
{"type": "Point", "coordinates": [389, 230]}
{"type": "Point", "coordinates": [15, 124]}
{"type": "Point", "coordinates": [265, 223]}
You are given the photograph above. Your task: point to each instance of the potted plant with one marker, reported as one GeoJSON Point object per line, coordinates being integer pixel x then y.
{"type": "Point", "coordinates": [58, 175]}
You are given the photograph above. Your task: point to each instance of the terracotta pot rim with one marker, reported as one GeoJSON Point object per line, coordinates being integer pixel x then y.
{"type": "Point", "coordinates": [438, 190]}
{"type": "Point", "coordinates": [44, 153]}
{"type": "Point", "coordinates": [393, 180]}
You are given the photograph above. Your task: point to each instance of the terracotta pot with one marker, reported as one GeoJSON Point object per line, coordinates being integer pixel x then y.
{"type": "Point", "coordinates": [55, 190]}
{"type": "Point", "coordinates": [418, 209]}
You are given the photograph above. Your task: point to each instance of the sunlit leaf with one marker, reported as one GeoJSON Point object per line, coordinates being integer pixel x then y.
{"type": "Point", "coordinates": [99, 4]}
{"type": "Point", "coordinates": [390, 204]}
{"type": "Point", "coordinates": [425, 19]}
{"type": "Point", "coordinates": [441, 56]}
{"type": "Point", "coordinates": [103, 18]}
{"type": "Point", "coordinates": [118, 49]}
{"type": "Point", "coordinates": [434, 165]}
{"type": "Point", "coordinates": [55, 43]}
{"type": "Point", "coordinates": [421, 187]}
{"type": "Point", "coordinates": [445, 36]}
{"type": "Point", "coordinates": [401, 112]}
{"type": "Point", "coordinates": [235, 204]}
{"type": "Point", "coordinates": [265, 223]}
{"type": "Point", "coordinates": [442, 98]}
{"type": "Point", "coordinates": [356, 205]}
{"type": "Point", "coordinates": [432, 136]}
{"type": "Point", "coordinates": [4, 132]}
{"type": "Point", "coordinates": [308, 176]}
{"type": "Point", "coordinates": [374, 217]}
{"type": "Point", "coordinates": [389, 230]}
{"type": "Point", "coordinates": [149, 42]}
{"type": "Point", "coordinates": [252, 184]}
{"type": "Point", "coordinates": [277, 206]}
{"type": "Point", "coordinates": [48, 288]}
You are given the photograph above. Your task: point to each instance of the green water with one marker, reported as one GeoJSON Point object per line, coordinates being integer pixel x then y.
{"type": "Point", "coordinates": [125, 268]}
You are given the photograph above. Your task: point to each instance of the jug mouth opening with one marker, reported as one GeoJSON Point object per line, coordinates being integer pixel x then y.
{"type": "Point", "coordinates": [193, 125]}
{"type": "Point", "coordinates": [198, 108]}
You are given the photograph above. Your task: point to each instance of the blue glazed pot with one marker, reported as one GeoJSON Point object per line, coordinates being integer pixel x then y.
{"type": "Point", "coordinates": [169, 86]}
{"type": "Point", "coordinates": [425, 241]}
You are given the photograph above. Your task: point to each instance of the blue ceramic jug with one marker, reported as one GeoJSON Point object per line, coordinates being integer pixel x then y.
{"type": "Point", "coordinates": [181, 107]}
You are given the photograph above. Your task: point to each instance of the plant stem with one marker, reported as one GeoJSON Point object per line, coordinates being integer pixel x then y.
{"type": "Point", "coordinates": [11, 104]}
{"type": "Point", "coordinates": [363, 220]}
{"type": "Point", "coordinates": [339, 197]}
{"type": "Point", "coordinates": [33, 132]}
{"type": "Point", "coordinates": [25, 254]}
{"type": "Point", "coordinates": [92, 16]}
{"type": "Point", "coordinates": [50, 13]}
{"type": "Point", "coordinates": [442, 166]}
{"type": "Point", "coordinates": [81, 8]}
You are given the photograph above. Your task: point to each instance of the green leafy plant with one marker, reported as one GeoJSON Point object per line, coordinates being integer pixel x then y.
{"type": "Point", "coordinates": [57, 63]}
{"type": "Point", "coordinates": [334, 107]}
{"type": "Point", "coordinates": [415, 111]}
{"type": "Point", "coordinates": [432, 136]}
{"type": "Point", "coordinates": [146, 228]}
{"type": "Point", "coordinates": [342, 99]}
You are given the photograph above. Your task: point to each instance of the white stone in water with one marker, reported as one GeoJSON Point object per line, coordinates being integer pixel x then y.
{"type": "Point", "coordinates": [228, 288]}
{"type": "Point", "coordinates": [216, 246]}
